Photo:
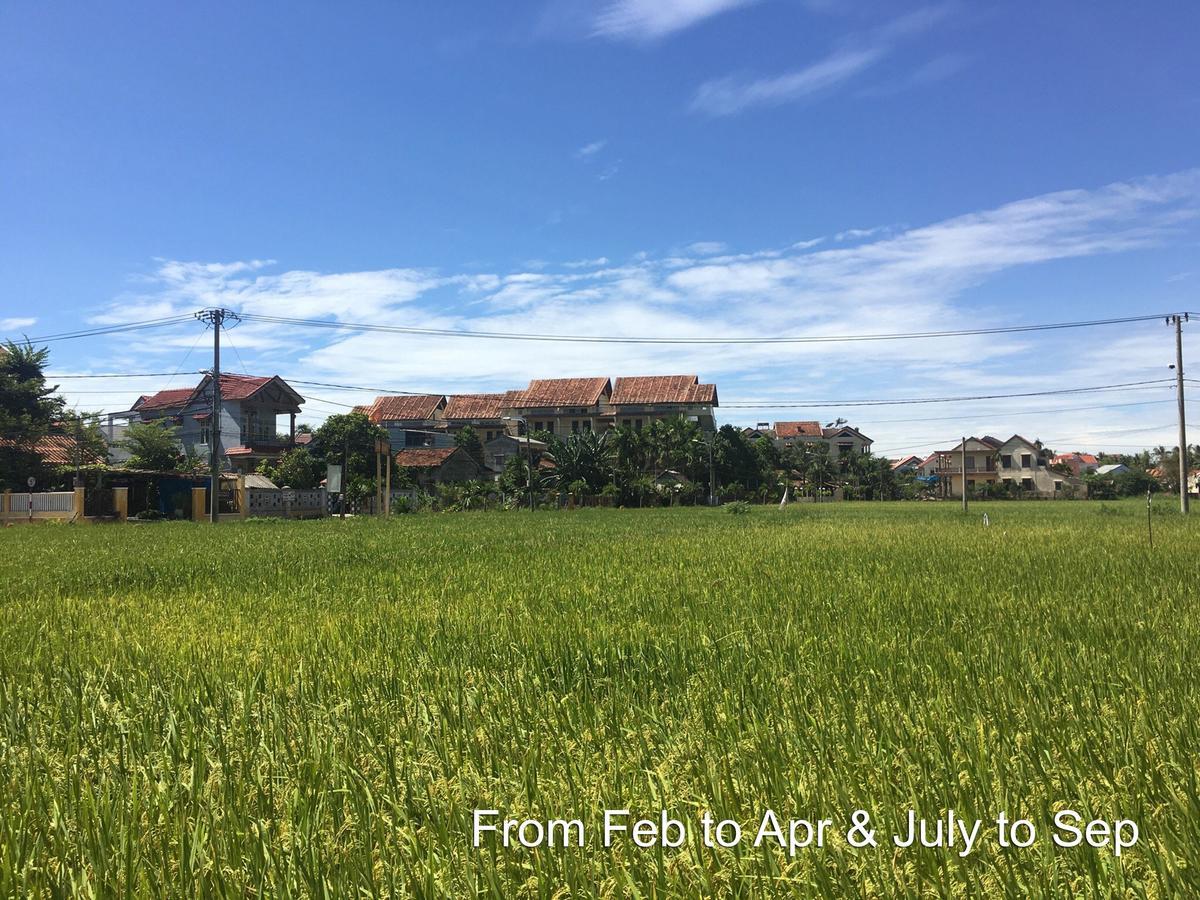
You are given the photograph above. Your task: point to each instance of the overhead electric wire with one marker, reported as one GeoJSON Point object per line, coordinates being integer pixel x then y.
{"type": "Point", "coordinates": [109, 329]}
{"type": "Point", "coordinates": [621, 339]}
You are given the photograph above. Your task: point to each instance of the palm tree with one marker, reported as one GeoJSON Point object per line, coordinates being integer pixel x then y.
{"type": "Point", "coordinates": [585, 456]}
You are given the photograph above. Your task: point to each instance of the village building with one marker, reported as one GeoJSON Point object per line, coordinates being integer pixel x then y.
{"type": "Point", "coordinates": [839, 440]}
{"type": "Point", "coordinates": [563, 406]}
{"type": "Point", "coordinates": [1026, 464]}
{"type": "Point", "coordinates": [411, 420]}
{"type": "Point", "coordinates": [973, 459]}
{"type": "Point", "coordinates": [429, 466]}
{"type": "Point", "coordinates": [248, 432]}
{"type": "Point", "coordinates": [500, 449]}
{"type": "Point", "coordinates": [1078, 463]}
{"type": "Point", "coordinates": [484, 413]}
{"type": "Point", "coordinates": [639, 400]}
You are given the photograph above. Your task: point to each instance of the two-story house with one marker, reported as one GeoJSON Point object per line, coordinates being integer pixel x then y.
{"type": "Point", "coordinates": [483, 412]}
{"type": "Point", "coordinates": [411, 420]}
{"type": "Point", "coordinates": [1026, 464]}
{"type": "Point", "coordinates": [563, 406]}
{"type": "Point", "coordinates": [249, 428]}
{"type": "Point", "coordinates": [641, 399]}
{"type": "Point", "coordinates": [839, 440]}
{"type": "Point", "coordinates": [973, 458]}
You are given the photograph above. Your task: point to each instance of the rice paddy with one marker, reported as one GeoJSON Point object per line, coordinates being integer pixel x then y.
{"type": "Point", "coordinates": [319, 708]}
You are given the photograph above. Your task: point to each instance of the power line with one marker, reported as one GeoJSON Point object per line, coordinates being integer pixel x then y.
{"type": "Point", "coordinates": [618, 339]}
{"type": "Point", "coordinates": [109, 329]}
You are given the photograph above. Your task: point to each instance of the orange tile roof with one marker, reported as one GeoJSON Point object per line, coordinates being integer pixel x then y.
{"type": "Point", "coordinates": [562, 392]}
{"type": "Point", "coordinates": [476, 406]}
{"type": "Point", "coordinates": [424, 457]}
{"type": "Point", "coordinates": [165, 399]}
{"type": "Point", "coordinates": [797, 429]}
{"type": "Point", "coordinates": [662, 389]}
{"type": "Point", "coordinates": [409, 407]}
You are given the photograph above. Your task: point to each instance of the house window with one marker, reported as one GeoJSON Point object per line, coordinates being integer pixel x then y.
{"type": "Point", "coordinates": [587, 424]}
{"type": "Point", "coordinates": [1027, 484]}
{"type": "Point", "coordinates": [498, 460]}
{"type": "Point", "coordinates": [574, 426]}
{"type": "Point", "coordinates": [1006, 461]}
{"type": "Point", "coordinates": [205, 433]}
{"type": "Point", "coordinates": [845, 449]}
{"type": "Point", "coordinates": [1026, 460]}
{"type": "Point", "coordinates": [637, 424]}
{"type": "Point", "coordinates": [971, 465]}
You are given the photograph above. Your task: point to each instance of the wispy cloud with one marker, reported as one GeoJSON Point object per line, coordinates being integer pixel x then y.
{"type": "Point", "coordinates": [647, 20]}
{"type": "Point", "coordinates": [903, 279]}
{"type": "Point", "coordinates": [937, 69]}
{"type": "Point", "coordinates": [733, 94]}
{"type": "Point", "coordinates": [706, 248]}
{"type": "Point", "coordinates": [587, 151]}
{"type": "Point", "coordinates": [16, 324]}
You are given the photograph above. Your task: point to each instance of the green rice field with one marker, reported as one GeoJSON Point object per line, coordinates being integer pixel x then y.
{"type": "Point", "coordinates": [271, 709]}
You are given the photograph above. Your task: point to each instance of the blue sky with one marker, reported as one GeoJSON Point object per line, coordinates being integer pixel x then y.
{"type": "Point", "coordinates": [683, 167]}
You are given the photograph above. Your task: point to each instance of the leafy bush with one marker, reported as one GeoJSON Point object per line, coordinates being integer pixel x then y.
{"type": "Point", "coordinates": [737, 507]}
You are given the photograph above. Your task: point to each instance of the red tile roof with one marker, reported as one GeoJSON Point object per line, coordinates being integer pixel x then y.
{"type": "Point", "coordinates": [424, 457]}
{"type": "Point", "coordinates": [165, 399]}
{"type": "Point", "coordinates": [562, 392]}
{"type": "Point", "coordinates": [662, 389]}
{"type": "Point", "coordinates": [797, 429]}
{"type": "Point", "coordinates": [476, 406]}
{"type": "Point", "coordinates": [56, 450]}
{"type": "Point", "coordinates": [409, 407]}
{"type": "Point", "coordinates": [233, 387]}
{"type": "Point", "coordinates": [303, 437]}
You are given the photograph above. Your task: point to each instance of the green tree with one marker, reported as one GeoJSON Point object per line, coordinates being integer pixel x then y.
{"type": "Point", "coordinates": [296, 468]}
{"type": "Point", "coordinates": [586, 456]}
{"type": "Point", "coordinates": [28, 410]}
{"type": "Point", "coordinates": [468, 439]}
{"type": "Point", "coordinates": [353, 436]}
{"type": "Point", "coordinates": [153, 445]}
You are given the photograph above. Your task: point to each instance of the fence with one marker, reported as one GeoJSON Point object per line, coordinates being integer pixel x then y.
{"type": "Point", "coordinates": [15, 507]}
{"type": "Point", "coordinates": [285, 503]}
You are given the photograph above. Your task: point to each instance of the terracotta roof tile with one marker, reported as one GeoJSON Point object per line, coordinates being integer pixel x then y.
{"type": "Point", "coordinates": [475, 406]}
{"type": "Point", "coordinates": [797, 429]}
{"type": "Point", "coordinates": [409, 407]}
{"type": "Point", "coordinates": [424, 457]}
{"type": "Point", "coordinates": [165, 399]}
{"type": "Point", "coordinates": [544, 392]}
{"type": "Point", "coordinates": [662, 389]}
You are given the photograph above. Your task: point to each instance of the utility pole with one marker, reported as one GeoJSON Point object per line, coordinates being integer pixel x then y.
{"type": "Point", "coordinates": [1178, 321]}
{"type": "Point", "coordinates": [216, 318]}
{"type": "Point", "coordinates": [345, 468]}
{"type": "Point", "coordinates": [962, 465]}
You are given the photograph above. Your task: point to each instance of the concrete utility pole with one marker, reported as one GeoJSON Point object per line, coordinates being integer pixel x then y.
{"type": "Point", "coordinates": [962, 465]}
{"type": "Point", "coordinates": [1178, 321]}
{"type": "Point", "coordinates": [216, 318]}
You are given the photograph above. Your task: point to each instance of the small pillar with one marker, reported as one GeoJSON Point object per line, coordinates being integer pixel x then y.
{"type": "Point", "coordinates": [5, 504]}
{"type": "Point", "coordinates": [241, 495]}
{"type": "Point", "coordinates": [121, 503]}
{"type": "Point", "coordinates": [199, 512]}
{"type": "Point", "coordinates": [78, 511]}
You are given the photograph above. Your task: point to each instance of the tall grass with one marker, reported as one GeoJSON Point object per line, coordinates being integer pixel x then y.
{"type": "Point", "coordinates": [316, 708]}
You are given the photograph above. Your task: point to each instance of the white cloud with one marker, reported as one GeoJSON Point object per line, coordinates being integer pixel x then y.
{"type": "Point", "coordinates": [733, 94]}
{"type": "Point", "coordinates": [902, 280]}
{"type": "Point", "coordinates": [706, 248]}
{"type": "Point", "coordinates": [645, 20]}
{"type": "Point", "coordinates": [589, 150]}
{"type": "Point", "coordinates": [15, 324]}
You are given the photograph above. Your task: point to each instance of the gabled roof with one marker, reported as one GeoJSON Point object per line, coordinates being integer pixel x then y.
{"type": "Point", "coordinates": [907, 461]}
{"type": "Point", "coordinates": [408, 407]}
{"type": "Point", "coordinates": [844, 429]}
{"type": "Point", "coordinates": [543, 392]}
{"type": "Point", "coordinates": [169, 399]}
{"type": "Point", "coordinates": [425, 457]}
{"type": "Point", "coordinates": [475, 406]}
{"type": "Point", "coordinates": [662, 389]}
{"type": "Point", "coordinates": [233, 387]}
{"type": "Point", "coordinates": [797, 429]}
{"type": "Point", "coordinates": [1020, 440]}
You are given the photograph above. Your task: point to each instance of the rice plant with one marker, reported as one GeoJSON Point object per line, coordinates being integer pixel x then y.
{"type": "Point", "coordinates": [318, 708]}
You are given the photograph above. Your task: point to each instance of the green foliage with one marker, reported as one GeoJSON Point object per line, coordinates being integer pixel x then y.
{"type": "Point", "coordinates": [737, 507]}
{"type": "Point", "coordinates": [585, 457]}
{"type": "Point", "coordinates": [468, 439]}
{"type": "Point", "coordinates": [349, 438]}
{"type": "Point", "coordinates": [28, 410]}
{"type": "Point", "coordinates": [296, 468]}
{"type": "Point", "coordinates": [317, 710]}
{"type": "Point", "coordinates": [153, 445]}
